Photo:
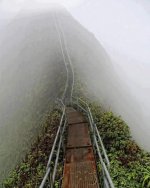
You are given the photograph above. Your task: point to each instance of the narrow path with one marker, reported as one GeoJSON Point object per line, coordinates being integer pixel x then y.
{"type": "Point", "coordinates": [80, 165]}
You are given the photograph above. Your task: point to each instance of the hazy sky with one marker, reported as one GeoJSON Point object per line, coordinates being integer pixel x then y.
{"type": "Point", "coordinates": [119, 24]}
{"type": "Point", "coordinates": [122, 25]}
{"type": "Point", "coordinates": [123, 29]}
{"type": "Point", "coordinates": [10, 8]}
{"type": "Point", "coordinates": [15, 5]}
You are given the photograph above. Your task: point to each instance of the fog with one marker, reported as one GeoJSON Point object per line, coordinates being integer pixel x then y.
{"type": "Point", "coordinates": [108, 42]}
{"type": "Point", "coordinates": [123, 29]}
{"type": "Point", "coordinates": [30, 62]}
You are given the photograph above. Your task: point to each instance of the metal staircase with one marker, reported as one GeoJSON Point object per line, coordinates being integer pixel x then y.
{"type": "Point", "coordinates": [101, 157]}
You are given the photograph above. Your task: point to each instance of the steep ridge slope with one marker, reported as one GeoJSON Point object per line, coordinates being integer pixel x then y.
{"type": "Point", "coordinates": [33, 75]}
{"type": "Point", "coordinates": [120, 82]}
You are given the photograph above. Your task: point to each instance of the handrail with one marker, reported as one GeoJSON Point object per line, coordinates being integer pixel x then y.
{"type": "Point", "coordinates": [56, 138]}
{"type": "Point", "coordinates": [102, 145]}
{"type": "Point", "coordinates": [63, 55]}
{"type": "Point", "coordinates": [58, 143]}
{"type": "Point", "coordinates": [104, 167]}
{"type": "Point", "coordinates": [67, 60]}
{"type": "Point", "coordinates": [97, 142]}
{"type": "Point", "coordinates": [57, 155]}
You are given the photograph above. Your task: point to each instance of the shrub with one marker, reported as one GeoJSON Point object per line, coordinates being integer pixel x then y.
{"type": "Point", "coordinates": [130, 166]}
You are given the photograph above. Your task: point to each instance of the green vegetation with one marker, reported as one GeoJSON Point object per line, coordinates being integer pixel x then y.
{"type": "Point", "coordinates": [30, 172]}
{"type": "Point", "coordinates": [130, 165]}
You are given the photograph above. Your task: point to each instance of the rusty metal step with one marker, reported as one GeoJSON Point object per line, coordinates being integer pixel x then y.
{"type": "Point", "coordinates": [79, 155]}
{"type": "Point", "coordinates": [75, 117]}
{"type": "Point", "coordinates": [80, 175]}
{"type": "Point", "coordinates": [78, 135]}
